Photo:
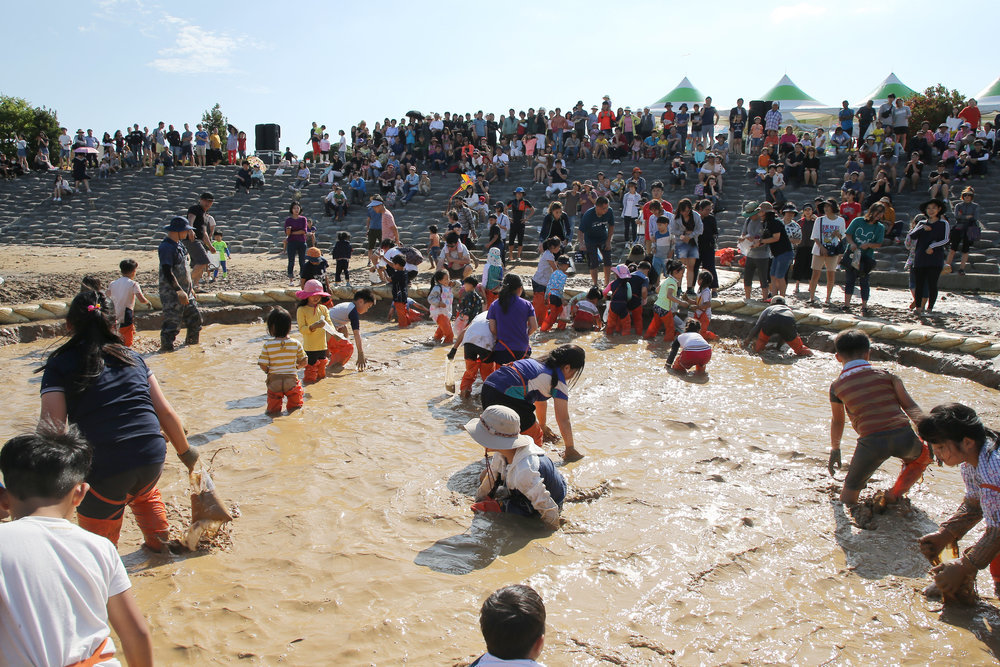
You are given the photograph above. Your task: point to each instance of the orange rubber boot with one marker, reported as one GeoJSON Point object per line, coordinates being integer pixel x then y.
{"type": "Point", "coordinates": [472, 366]}
{"type": "Point", "coordinates": [800, 348]}
{"type": "Point", "coordinates": [637, 320]}
{"type": "Point", "coordinates": [706, 334]}
{"type": "Point", "coordinates": [109, 528]}
{"type": "Point", "coordinates": [485, 369]}
{"type": "Point", "coordinates": [127, 334]}
{"type": "Point", "coordinates": [538, 302]}
{"type": "Point", "coordinates": [340, 351]}
{"type": "Point", "coordinates": [669, 332]}
{"type": "Point", "coordinates": [654, 326]}
{"type": "Point", "coordinates": [309, 375]}
{"type": "Point", "coordinates": [321, 369]}
{"type": "Point", "coordinates": [402, 315]}
{"type": "Point", "coordinates": [761, 342]}
{"type": "Point", "coordinates": [274, 401]}
{"type": "Point", "coordinates": [151, 515]}
{"type": "Point", "coordinates": [911, 472]}
{"type": "Point", "coordinates": [294, 397]}
{"type": "Point", "coordinates": [535, 431]}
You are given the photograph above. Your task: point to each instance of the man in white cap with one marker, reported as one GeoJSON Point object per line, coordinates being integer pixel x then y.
{"type": "Point", "coordinates": [520, 478]}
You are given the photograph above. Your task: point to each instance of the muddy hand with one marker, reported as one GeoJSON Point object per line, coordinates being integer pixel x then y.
{"type": "Point", "coordinates": [834, 461]}
{"type": "Point", "coordinates": [189, 458]}
{"type": "Point", "coordinates": [949, 577]}
{"type": "Point", "coordinates": [932, 544]}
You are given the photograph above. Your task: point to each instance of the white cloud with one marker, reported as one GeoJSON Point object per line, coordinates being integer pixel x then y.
{"type": "Point", "coordinates": [196, 50]}
{"type": "Point", "coordinates": [798, 12]}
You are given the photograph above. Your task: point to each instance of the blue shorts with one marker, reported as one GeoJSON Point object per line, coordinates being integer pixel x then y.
{"type": "Point", "coordinates": [686, 251]}
{"type": "Point", "coordinates": [595, 254]}
{"type": "Point", "coordinates": [780, 264]}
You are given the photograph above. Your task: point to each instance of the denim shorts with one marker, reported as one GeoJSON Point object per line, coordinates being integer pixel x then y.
{"type": "Point", "coordinates": [595, 253]}
{"type": "Point", "coordinates": [686, 251]}
{"type": "Point", "coordinates": [780, 264]}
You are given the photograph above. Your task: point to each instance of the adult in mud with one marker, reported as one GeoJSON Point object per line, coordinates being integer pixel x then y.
{"type": "Point", "coordinates": [958, 437]}
{"type": "Point", "coordinates": [176, 287]}
{"type": "Point", "coordinates": [200, 245]}
{"type": "Point", "coordinates": [526, 385]}
{"type": "Point", "coordinates": [512, 320]}
{"type": "Point", "coordinates": [105, 389]}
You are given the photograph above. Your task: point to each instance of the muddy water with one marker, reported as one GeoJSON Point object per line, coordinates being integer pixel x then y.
{"type": "Point", "coordinates": [716, 540]}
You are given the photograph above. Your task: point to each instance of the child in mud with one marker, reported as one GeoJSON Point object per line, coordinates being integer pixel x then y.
{"type": "Point", "coordinates": [880, 410]}
{"type": "Point", "coordinates": [777, 320]}
{"type": "Point", "coordinates": [123, 292]}
{"type": "Point", "coordinates": [520, 478]}
{"type": "Point", "coordinates": [695, 352]}
{"type": "Point", "coordinates": [585, 312]}
{"type": "Point", "coordinates": [313, 317]}
{"type": "Point", "coordinates": [400, 285]}
{"type": "Point", "coordinates": [513, 624]}
{"type": "Point", "coordinates": [668, 302]}
{"type": "Point", "coordinates": [280, 357]}
{"type": "Point", "coordinates": [470, 304]}
{"type": "Point", "coordinates": [60, 584]}
{"type": "Point", "coordinates": [342, 315]}
{"type": "Point", "coordinates": [477, 343]}
{"type": "Point", "coordinates": [959, 437]}
{"type": "Point", "coordinates": [440, 300]}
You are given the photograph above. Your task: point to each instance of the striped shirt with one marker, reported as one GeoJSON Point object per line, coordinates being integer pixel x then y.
{"type": "Point", "coordinates": [869, 398]}
{"type": "Point", "coordinates": [980, 478]}
{"type": "Point", "coordinates": [281, 355]}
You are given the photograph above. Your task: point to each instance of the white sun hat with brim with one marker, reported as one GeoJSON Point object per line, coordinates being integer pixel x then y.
{"type": "Point", "coordinates": [498, 427]}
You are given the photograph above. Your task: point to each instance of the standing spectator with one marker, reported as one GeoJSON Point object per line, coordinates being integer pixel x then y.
{"type": "Point", "coordinates": [707, 242]}
{"type": "Point", "coordinates": [187, 148]}
{"type": "Point", "coordinates": [737, 125]}
{"type": "Point", "coordinates": [174, 140]}
{"type": "Point", "coordinates": [65, 144]}
{"type": "Point", "coordinates": [232, 144]}
{"type": "Point", "coordinates": [757, 255]}
{"type": "Point", "coordinates": [865, 236]}
{"type": "Point", "coordinates": [828, 247]}
{"type": "Point", "coordinates": [846, 118]}
{"type": "Point", "coordinates": [901, 122]}
{"type": "Point", "coordinates": [709, 117]}
{"type": "Point", "coordinates": [597, 228]}
{"type": "Point", "coordinates": [885, 112]}
{"type": "Point", "coordinates": [930, 237]}
{"type": "Point", "coordinates": [772, 119]}
{"type": "Point", "coordinates": [970, 114]}
{"type": "Point", "coordinates": [200, 145]}
{"type": "Point", "coordinates": [296, 236]}
{"type": "Point", "coordinates": [865, 116]}
{"type": "Point", "coordinates": [176, 287]}
{"type": "Point", "coordinates": [200, 244]}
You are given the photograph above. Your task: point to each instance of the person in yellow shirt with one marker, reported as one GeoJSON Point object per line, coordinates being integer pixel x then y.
{"type": "Point", "coordinates": [314, 325]}
{"type": "Point", "coordinates": [215, 147]}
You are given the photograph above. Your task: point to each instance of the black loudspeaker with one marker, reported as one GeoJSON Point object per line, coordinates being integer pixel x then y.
{"type": "Point", "coordinates": [268, 136]}
{"type": "Point", "coordinates": [757, 108]}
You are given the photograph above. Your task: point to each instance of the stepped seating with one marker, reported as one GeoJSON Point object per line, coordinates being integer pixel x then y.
{"type": "Point", "coordinates": [128, 210]}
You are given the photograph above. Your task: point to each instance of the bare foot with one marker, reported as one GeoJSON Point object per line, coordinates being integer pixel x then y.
{"type": "Point", "coordinates": [572, 454]}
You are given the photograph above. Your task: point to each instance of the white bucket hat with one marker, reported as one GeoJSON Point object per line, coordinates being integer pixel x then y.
{"type": "Point", "coordinates": [498, 427]}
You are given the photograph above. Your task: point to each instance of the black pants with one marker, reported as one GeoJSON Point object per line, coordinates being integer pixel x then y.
{"type": "Point", "coordinates": [107, 497]}
{"type": "Point", "coordinates": [342, 270]}
{"type": "Point", "coordinates": [525, 410]}
{"type": "Point", "coordinates": [706, 261]}
{"type": "Point", "coordinates": [925, 284]}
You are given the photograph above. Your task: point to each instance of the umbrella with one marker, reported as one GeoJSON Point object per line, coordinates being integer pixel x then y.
{"type": "Point", "coordinates": [415, 115]}
{"type": "Point", "coordinates": [257, 163]}
{"type": "Point", "coordinates": [86, 149]}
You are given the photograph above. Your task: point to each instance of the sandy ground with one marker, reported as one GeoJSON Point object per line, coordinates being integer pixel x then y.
{"type": "Point", "coordinates": [35, 273]}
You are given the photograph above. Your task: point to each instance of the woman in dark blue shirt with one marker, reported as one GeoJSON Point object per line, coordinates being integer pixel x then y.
{"type": "Point", "coordinates": [930, 238]}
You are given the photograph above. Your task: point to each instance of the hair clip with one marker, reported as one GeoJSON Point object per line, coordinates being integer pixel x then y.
{"type": "Point", "coordinates": [93, 308]}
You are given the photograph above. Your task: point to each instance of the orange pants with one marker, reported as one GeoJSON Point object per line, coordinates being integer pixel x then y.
{"type": "Point", "coordinates": [340, 351]}
{"type": "Point", "coordinates": [474, 367]}
{"type": "Point", "coordinates": [666, 321]}
{"type": "Point", "coordinates": [617, 324]}
{"type": "Point", "coordinates": [538, 301]}
{"type": "Point", "coordinates": [127, 334]}
{"type": "Point", "coordinates": [637, 320]}
{"type": "Point", "coordinates": [405, 316]}
{"type": "Point", "coordinates": [551, 317]}
{"type": "Point", "coordinates": [535, 431]}
{"type": "Point", "coordinates": [294, 396]}
{"type": "Point", "coordinates": [798, 347]}
{"type": "Point", "coordinates": [911, 472]}
{"type": "Point", "coordinates": [444, 331]}
{"type": "Point", "coordinates": [704, 319]}
{"type": "Point", "coordinates": [491, 296]}
{"type": "Point", "coordinates": [148, 510]}
{"type": "Point", "coordinates": [315, 371]}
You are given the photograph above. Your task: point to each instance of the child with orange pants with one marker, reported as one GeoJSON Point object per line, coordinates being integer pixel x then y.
{"type": "Point", "coordinates": [477, 343]}
{"type": "Point", "coordinates": [493, 274]}
{"type": "Point", "coordinates": [539, 281]}
{"type": "Point", "coordinates": [279, 358]}
{"type": "Point", "coordinates": [639, 280]}
{"type": "Point", "coordinates": [777, 320]}
{"type": "Point", "coordinates": [470, 304]}
{"type": "Point", "coordinates": [123, 292]}
{"type": "Point", "coordinates": [703, 305]}
{"type": "Point", "coordinates": [347, 314]}
{"type": "Point", "coordinates": [584, 311]}
{"type": "Point", "coordinates": [440, 300]}
{"type": "Point", "coordinates": [667, 302]}
{"type": "Point", "coordinates": [313, 317]}
{"type": "Point", "coordinates": [620, 292]}
{"type": "Point", "coordinates": [554, 294]}
{"type": "Point", "coordinates": [694, 350]}
{"type": "Point", "coordinates": [399, 283]}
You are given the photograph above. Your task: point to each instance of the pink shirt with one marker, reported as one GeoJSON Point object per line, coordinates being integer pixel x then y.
{"type": "Point", "coordinates": [389, 226]}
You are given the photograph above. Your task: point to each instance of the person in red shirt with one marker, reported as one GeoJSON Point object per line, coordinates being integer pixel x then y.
{"type": "Point", "coordinates": [970, 114]}
{"type": "Point", "coordinates": [850, 209]}
{"type": "Point", "coordinates": [668, 116]}
{"type": "Point", "coordinates": [606, 117]}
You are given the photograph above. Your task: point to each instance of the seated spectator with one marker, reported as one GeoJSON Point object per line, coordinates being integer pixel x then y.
{"type": "Point", "coordinates": [940, 180]}
{"type": "Point", "coordinates": [911, 171]}
{"type": "Point", "coordinates": [243, 177]}
{"type": "Point", "coordinates": [840, 142]}
{"type": "Point", "coordinates": [978, 159]}
{"type": "Point", "coordinates": [810, 167]}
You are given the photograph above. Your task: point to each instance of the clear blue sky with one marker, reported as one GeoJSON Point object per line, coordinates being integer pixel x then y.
{"type": "Point", "coordinates": [105, 64]}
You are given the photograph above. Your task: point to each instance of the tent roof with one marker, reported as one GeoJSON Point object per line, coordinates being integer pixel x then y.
{"type": "Point", "coordinates": [682, 92]}
{"type": "Point", "coordinates": [789, 95]}
{"type": "Point", "coordinates": [990, 93]}
{"type": "Point", "coordinates": [891, 84]}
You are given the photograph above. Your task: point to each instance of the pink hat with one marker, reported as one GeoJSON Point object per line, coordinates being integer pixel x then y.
{"type": "Point", "coordinates": [622, 271]}
{"type": "Point", "coordinates": [311, 288]}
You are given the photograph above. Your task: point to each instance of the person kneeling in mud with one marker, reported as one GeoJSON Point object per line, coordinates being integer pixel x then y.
{"type": "Point", "coordinates": [880, 410]}
{"type": "Point", "coordinates": [777, 320]}
{"type": "Point", "coordinates": [520, 478]}
{"type": "Point", "coordinates": [959, 437]}
{"type": "Point", "coordinates": [695, 352]}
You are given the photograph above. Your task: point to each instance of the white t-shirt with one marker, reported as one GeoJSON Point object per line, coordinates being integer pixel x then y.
{"type": "Point", "coordinates": [478, 332]}
{"type": "Point", "coordinates": [544, 270]}
{"type": "Point", "coordinates": [693, 342]}
{"type": "Point", "coordinates": [55, 582]}
{"type": "Point", "coordinates": [123, 292]}
{"type": "Point", "coordinates": [501, 159]}
{"type": "Point", "coordinates": [503, 222]}
{"type": "Point", "coordinates": [392, 252]}
{"type": "Point", "coordinates": [826, 231]}
{"type": "Point", "coordinates": [65, 141]}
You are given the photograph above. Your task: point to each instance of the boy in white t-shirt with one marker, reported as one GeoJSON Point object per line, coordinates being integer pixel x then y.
{"type": "Point", "coordinates": [59, 584]}
{"type": "Point", "coordinates": [123, 292]}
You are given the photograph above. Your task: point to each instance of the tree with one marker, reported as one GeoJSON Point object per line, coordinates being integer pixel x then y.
{"type": "Point", "coordinates": [17, 116]}
{"type": "Point", "coordinates": [214, 120]}
{"type": "Point", "coordinates": [933, 105]}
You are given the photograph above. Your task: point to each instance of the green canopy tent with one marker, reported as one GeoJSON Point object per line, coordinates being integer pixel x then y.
{"type": "Point", "coordinates": [989, 97]}
{"type": "Point", "coordinates": [790, 97]}
{"type": "Point", "coordinates": [683, 92]}
{"type": "Point", "coordinates": [891, 85]}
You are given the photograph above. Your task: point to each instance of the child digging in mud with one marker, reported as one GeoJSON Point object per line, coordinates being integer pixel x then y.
{"type": "Point", "coordinates": [695, 352]}
{"type": "Point", "coordinates": [880, 410]}
{"type": "Point", "coordinates": [313, 318]}
{"type": "Point", "coordinates": [280, 358]}
{"type": "Point", "coordinates": [959, 437]}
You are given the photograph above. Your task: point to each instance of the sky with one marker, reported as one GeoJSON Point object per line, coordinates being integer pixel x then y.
{"type": "Point", "coordinates": [106, 64]}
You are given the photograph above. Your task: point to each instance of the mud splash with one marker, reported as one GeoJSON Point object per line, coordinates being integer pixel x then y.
{"type": "Point", "coordinates": [703, 529]}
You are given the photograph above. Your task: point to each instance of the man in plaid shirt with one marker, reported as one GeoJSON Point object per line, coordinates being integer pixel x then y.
{"type": "Point", "coordinates": [772, 119]}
